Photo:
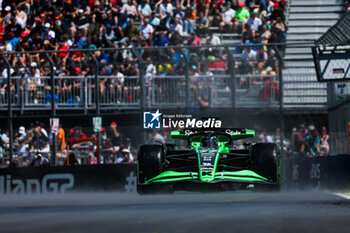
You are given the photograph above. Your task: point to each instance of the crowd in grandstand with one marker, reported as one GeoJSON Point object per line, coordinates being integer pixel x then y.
{"type": "Point", "coordinates": [61, 25]}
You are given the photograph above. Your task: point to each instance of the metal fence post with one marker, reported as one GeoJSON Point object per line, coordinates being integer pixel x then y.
{"type": "Point", "coordinates": [53, 106]}
{"type": "Point", "coordinates": [97, 86]}
{"type": "Point", "coordinates": [143, 96]}
{"type": "Point", "coordinates": [9, 113]}
{"type": "Point", "coordinates": [187, 76]}
{"type": "Point", "coordinates": [52, 76]}
{"type": "Point", "coordinates": [232, 70]}
{"type": "Point", "coordinates": [281, 110]}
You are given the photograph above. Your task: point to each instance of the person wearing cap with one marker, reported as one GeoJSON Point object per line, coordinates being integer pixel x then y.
{"type": "Point", "coordinates": [22, 148]}
{"type": "Point", "coordinates": [277, 12]}
{"type": "Point", "coordinates": [128, 145]}
{"type": "Point", "coordinates": [32, 80]}
{"type": "Point", "coordinates": [8, 15]}
{"type": "Point", "coordinates": [144, 9]}
{"type": "Point", "coordinates": [81, 23]}
{"type": "Point", "coordinates": [241, 15]}
{"type": "Point", "coordinates": [271, 88]}
{"type": "Point", "coordinates": [227, 16]}
{"type": "Point", "coordinates": [312, 142]}
{"type": "Point", "coordinates": [113, 134]}
{"type": "Point", "coordinates": [125, 157]}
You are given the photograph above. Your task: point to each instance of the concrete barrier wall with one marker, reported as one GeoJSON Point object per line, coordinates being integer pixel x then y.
{"type": "Point", "coordinates": [329, 172]}
{"type": "Point", "coordinates": [109, 177]}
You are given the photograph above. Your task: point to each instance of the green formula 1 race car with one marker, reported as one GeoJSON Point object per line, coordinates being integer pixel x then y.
{"type": "Point", "coordinates": [209, 160]}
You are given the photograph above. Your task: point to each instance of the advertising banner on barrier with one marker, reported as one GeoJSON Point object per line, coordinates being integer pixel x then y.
{"type": "Point", "coordinates": [320, 172]}
{"type": "Point", "coordinates": [108, 177]}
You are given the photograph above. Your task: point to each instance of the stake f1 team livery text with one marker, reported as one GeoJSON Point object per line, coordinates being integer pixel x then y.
{"type": "Point", "coordinates": [210, 159]}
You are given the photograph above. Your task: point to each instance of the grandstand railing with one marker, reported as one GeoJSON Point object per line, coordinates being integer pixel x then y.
{"type": "Point", "coordinates": [77, 92]}
{"type": "Point", "coordinates": [180, 80]}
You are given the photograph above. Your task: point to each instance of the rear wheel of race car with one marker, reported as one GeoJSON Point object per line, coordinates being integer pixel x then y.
{"type": "Point", "coordinates": [150, 164]}
{"type": "Point", "coordinates": [265, 162]}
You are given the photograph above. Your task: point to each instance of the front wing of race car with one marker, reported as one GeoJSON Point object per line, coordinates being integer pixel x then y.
{"type": "Point", "coordinates": [243, 176]}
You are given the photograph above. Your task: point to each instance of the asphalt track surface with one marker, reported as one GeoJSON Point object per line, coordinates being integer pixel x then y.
{"type": "Point", "coordinates": [241, 211]}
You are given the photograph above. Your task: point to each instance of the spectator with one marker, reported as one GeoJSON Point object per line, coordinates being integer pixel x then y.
{"type": "Point", "coordinates": [146, 31]}
{"type": "Point", "coordinates": [189, 21]}
{"type": "Point", "coordinates": [227, 16]}
{"type": "Point", "coordinates": [324, 147]}
{"type": "Point", "coordinates": [214, 14]}
{"type": "Point", "coordinates": [246, 69]}
{"type": "Point", "coordinates": [133, 151]}
{"type": "Point", "coordinates": [39, 160]}
{"type": "Point", "coordinates": [164, 6]}
{"type": "Point", "coordinates": [247, 35]}
{"type": "Point", "coordinates": [248, 54]}
{"type": "Point", "coordinates": [21, 138]}
{"type": "Point", "coordinates": [61, 139]}
{"type": "Point", "coordinates": [241, 16]}
{"type": "Point", "coordinates": [297, 139]}
{"type": "Point", "coordinates": [40, 140]}
{"type": "Point", "coordinates": [144, 9]}
{"type": "Point", "coordinates": [311, 143]}
{"type": "Point", "coordinates": [254, 22]}
{"type": "Point", "coordinates": [154, 20]}
{"type": "Point", "coordinates": [129, 9]}
{"type": "Point", "coordinates": [125, 157]}
{"type": "Point", "coordinates": [176, 27]}
{"type": "Point", "coordinates": [113, 134]}
{"type": "Point", "coordinates": [271, 88]}
{"type": "Point", "coordinates": [202, 25]}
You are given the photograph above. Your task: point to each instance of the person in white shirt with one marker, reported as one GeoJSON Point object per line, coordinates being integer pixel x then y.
{"type": "Point", "coordinates": [249, 54]}
{"type": "Point", "coordinates": [227, 16]}
{"type": "Point", "coordinates": [213, 39]}
{"type": "Point", "coordinates": [164, 6]}
{"type": "Point", "coordinates": [254, 22]}
{"type": "Point", "coordinates": [177, 27]}
{"type": "Point", "coordinates": [117, 82]}
{"type": "Point", "coordinates": [146, 30]}
{"type": "Point", "coordinates": [144, 9]}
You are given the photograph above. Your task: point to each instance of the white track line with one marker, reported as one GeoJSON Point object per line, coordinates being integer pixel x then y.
{"type": "Point", "coordinates": [343, 195]}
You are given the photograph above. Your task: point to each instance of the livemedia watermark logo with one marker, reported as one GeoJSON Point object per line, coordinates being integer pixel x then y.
{"type": "Point", "coordinates": [157, 120]}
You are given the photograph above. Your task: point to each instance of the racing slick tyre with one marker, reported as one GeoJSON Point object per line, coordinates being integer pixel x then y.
{"type": "Point", "coordinates": [265, 162]}
{"type": "Point", "coordinates": [150, 164]}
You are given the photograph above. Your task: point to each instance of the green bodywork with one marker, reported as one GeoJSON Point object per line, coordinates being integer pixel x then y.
{"type": "Point", "coordinates": [209, 174]}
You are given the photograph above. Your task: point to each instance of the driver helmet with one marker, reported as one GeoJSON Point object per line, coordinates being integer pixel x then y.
{"type": "Point", "coordinates": [213, 141]}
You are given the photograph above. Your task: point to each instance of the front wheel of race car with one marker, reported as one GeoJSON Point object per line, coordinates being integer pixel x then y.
{"type": "Point", "coordinates": [150, 163]}
{"type": "Point", "coordinates": [266, 162]}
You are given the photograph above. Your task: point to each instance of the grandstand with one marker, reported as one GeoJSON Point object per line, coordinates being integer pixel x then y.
{"type": "Point", "coordinates": [307, 20]}
{"type": "Point", "coordinates": [115, 57]}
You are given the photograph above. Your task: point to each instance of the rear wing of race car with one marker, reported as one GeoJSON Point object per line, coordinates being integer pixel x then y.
{"type": "Point", "coordinates": [236, 134]}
